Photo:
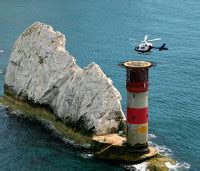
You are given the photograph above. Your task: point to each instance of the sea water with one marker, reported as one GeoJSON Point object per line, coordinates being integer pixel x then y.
{"type": "Point", "coordinates": [104, 31]}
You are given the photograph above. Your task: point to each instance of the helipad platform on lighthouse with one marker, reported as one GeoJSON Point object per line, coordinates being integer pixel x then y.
{"type": "Point", "coordinates": [137, 64]}
{"type": "Point", "coordinates": [113, 147]}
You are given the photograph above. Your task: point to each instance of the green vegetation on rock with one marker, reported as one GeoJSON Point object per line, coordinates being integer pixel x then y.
{"type": "Point", "coordinates": [157, 163]}
{"type": "Point", "coordinates": [43, 114]}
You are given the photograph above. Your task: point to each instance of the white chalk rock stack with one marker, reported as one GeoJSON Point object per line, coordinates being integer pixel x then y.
{"type": "Point", "coordinates": [42, 71]}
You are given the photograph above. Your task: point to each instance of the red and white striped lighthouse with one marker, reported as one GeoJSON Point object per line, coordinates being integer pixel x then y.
{"type": "Point", "coordinates": [137, 104]}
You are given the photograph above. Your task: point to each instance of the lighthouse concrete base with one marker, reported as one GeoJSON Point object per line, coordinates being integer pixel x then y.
{"type": "Point", "coordinates": [113, 147]}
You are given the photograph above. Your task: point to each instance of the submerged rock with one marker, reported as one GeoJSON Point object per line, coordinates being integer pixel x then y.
{"type": "Point", "coordinates": [42, 72]}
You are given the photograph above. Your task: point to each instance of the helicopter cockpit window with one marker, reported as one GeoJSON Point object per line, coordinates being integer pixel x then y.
{"type": "Point", "coordinates": [142, 47]}
{"type": "Point", "coordinates": [137, 47]}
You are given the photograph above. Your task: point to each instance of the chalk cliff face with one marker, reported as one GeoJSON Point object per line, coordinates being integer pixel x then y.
{"type": "Point", "coordinates": [42, 71]}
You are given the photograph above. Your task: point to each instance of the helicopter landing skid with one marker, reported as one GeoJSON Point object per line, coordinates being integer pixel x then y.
{"type": "Point", "coordinates": [144, 53]}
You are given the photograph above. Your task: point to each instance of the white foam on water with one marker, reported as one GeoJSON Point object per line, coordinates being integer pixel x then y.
{"type": "Point", "coordinates": [87, 155]}
{"type": "Point", "coordinates": [137, 167]}
{"type": "Point", "coordinates": [1, 51]}
{"type": "Point", "coordinates": [72, 142]}
{"type": "Point", "coordinates": [178, 166]}
{"type": "Point", "coordinates": [151, 136]}
{"type": "Point", "coordinates": [163, 150]}
{"type": "Point", "coordinates": [1, 71]}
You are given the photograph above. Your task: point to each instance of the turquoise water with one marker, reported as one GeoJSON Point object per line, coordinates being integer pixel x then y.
{"type": "Point", "coordinates": [102, 31]}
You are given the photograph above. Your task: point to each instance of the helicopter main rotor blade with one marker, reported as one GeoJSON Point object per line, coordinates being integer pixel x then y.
{"type": "Point", "coordinates": [131, 39]}
{"type": "Point", "coordinates": [134, 44]}
{"type": "Point", "coordinates": [145, 37]}
{"type": "Point", "coordinates": [154, 39]}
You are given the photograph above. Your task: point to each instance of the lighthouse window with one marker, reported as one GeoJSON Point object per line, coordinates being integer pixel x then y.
{"type": "Point", "coordinates": [137, 75]}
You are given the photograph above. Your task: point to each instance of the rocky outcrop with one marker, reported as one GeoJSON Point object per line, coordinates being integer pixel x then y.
{"type": "Point", "coordinates": [41, 71]}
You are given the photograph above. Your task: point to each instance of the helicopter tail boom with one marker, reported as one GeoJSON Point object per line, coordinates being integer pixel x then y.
{"type": "Point", "coordinates": [162, 47]}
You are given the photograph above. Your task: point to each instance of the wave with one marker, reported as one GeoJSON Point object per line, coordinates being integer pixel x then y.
{"type": "Point", "coordinates": [49, 127]}
{"type": "Point", "coordinates": [178, 166]}
{"type": "Point", "coordinates": [136, 167]}
{"type": "Point", "coordinates": [163, 150]}
{"type": "Point", "coordinates": [2, 71]}
{"type": "Point", "coordinates": [143, 166]}
{"type": "Point", "coordinates": [1, 50]}
{"type": "Point", "coordinates": [87, 155]}
{"type": "Point", "coordinates": [151, 136]}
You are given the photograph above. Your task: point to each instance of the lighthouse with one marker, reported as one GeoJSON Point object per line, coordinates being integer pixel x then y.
{"type": "Point", "coordinates": [137, 105]}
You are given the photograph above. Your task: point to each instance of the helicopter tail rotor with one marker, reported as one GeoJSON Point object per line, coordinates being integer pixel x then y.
{"type": "Point", "coordinates": [163, 47]}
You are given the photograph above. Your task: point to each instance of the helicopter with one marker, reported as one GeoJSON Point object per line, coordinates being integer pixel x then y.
{"type": "Point", "coordinates": [146, 45]}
